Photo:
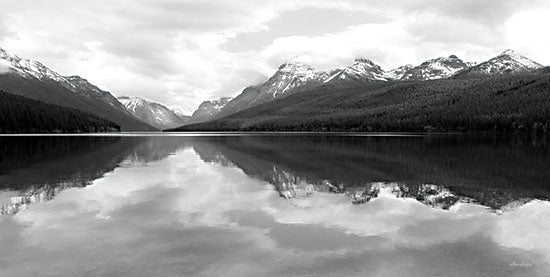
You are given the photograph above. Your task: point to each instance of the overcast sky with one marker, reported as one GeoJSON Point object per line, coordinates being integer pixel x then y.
{"type": "Point", "coordinates": [181, 52]}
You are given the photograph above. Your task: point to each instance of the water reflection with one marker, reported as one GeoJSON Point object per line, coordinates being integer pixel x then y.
{"type": "Point", "coordinates": [39, 168]}
{"type": "Point", "coordinates": [437, 171]}
{"type": "Point", "coordinates": [278, 206]}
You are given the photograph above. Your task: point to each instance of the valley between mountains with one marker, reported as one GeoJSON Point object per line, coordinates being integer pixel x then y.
{"type": "Point", "coordinates": [509, 93]}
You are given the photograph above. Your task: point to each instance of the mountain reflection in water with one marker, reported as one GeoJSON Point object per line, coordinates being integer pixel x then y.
{"type": "Point", "coordinates": [437, 171]}
{"type": "Point", "coordinates": [274, 206]}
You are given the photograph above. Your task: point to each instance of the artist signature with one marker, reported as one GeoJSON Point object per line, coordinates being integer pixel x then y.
{"type": "Point", "coordinates": [521, 263]}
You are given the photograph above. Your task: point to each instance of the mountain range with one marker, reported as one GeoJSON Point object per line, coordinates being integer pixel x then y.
{"type": "Point", "coordinates": [209, 109]}
{"type": "Point", "coordinates": [153, 113]}
{"type": "Point", "coordinates": [361, 96]}
{"type": "Point", "coordinates": [294, 77]}
{"type": "Point", "coordinates": [441, 94]}
{"type": "Point", "coordinates": [31, 79]}
{"type": "Point", "coordinates": [509, 62]}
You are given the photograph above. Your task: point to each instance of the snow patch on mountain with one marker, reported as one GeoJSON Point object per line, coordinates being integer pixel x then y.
{"type": "Point", "coordinates": [361, 70]}
{"type": "Point", "coordinates": [181, 112]}
{"type": "Point", "coordinates": [28, 68]}
{"type": "Point", "coordinates": [292, 75]}
{"type": "Point", "coordinates": [153, 113]}
{"type": "Point", "coordinates": [508, 62]}
{"type": "Point", "coordinates": [438, 68]}
{"type": "Point", "coordinates": [209, 109]}
{"type": "Point", "coordinates": [132, 103]}
{"type": "Point", "coordinates": [397, 73]}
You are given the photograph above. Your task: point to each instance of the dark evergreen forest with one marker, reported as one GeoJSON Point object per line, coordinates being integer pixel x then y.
{"type": "Point", "coordinates": [19, 114]}
{"type": "Point", "coordinates": [505, 104]}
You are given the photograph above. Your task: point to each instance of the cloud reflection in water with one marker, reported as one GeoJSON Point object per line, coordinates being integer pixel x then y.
{"type": "Point", "coordinates": [179, 215]}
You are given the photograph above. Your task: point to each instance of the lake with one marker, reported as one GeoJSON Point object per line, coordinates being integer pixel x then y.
{"type": "Point", "coordinates": [274, 205]}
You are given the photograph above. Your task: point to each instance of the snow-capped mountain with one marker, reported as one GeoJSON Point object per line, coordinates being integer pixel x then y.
{"type": "Point", "coordinates": [30, 69]}
{"type": "Point", "coordinates": [508, 62]}
{"type": "Point", "coordinates": [293, 76]}
{"type": "Point", "coordinates": [209, 109]}
{"type": "Point", "coordinates": [438, 68]}
{"type": "Point", "coordinates": [82, 87]}
{"type": "Point", "coordinates": [361, 70]}
{"type": "Point", "coordinates": [397, 73]}
{"type": "Point", "coordinates": [34, 80]}
{"type": "Point", "coordinates": [181, 112]}
{"type": "Point", "coordinates": [286, 79]}
{"type": "Point", "coordinates": [33, 69]}
{"type": "Point", "coordinates": [153, 113]}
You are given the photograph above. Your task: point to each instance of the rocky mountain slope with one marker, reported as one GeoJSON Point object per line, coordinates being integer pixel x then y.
{"type": "Point", "coordinates": [398, 73]}
{"type": "Point", "coordinates": [362, 70]}
{"type": "Point", "coordinates": [207, 110]}
{"type": "Point", "coordinates": [293, 78]}
{"type": "Point", "coordinates": [516, 103]}
{"type": "Point", "coordinates": [435, 69]}
{"type": "Point", "coordinates": [34, 80]}
{"type": "Point", "coordinates": [507, 63]}
{"type": "Point", "coordinates": [287, 78]}
{"type": "Point", "coordinates": [153, 113]}
{"type": "Point", "coordinates": [181, 112]}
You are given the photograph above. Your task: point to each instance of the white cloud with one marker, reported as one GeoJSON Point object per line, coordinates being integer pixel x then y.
{"type": "Point", "coordinates": [374, 41]}
{"type": "Point", "coordinates": [526, 32]}
{"type": "Point", "coordinates": [176, 52]}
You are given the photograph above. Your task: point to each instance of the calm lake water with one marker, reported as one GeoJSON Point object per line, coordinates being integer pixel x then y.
{"type": "Point", "coordinates": [274, 205]}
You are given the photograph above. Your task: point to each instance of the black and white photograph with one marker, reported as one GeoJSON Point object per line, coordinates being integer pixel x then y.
{"type": "Point", "coordinates": [241, 138]}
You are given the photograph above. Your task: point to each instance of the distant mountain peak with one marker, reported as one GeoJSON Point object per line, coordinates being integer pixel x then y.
{"type": "Point", "coordinates": [294, 66]}
{"type": "Point", "coordinates": [137, 100]}
{"type": "Point", "coordinates": [364, 60]}
{"type": "Point", "coordinates": [361, 70]}
{"type": "Point", "coordinates": [508, 62]}
{"type": "Point", "coordinates": [438, 68]}
{"type": "Point", "coordinates": [30, 68]}
{"type": "Point", "coordinates": [154, 113]}
{"type": "Point", "coordinates": [397, 73]}
{"type": "Point", "coordinates": [209, 109]}
{"type": "Point", "coordinates": [131, 102]}
{"type": "Point", "coordinates": [216, 104]}
{"type": "Point", "coordinates": [35, 80]}
{"type": "Point", "coordinates": [450, 58]}
{"type": "Point", "coordinates": [511, 54]}
{"type": "Point", "coordinates": [181, 112]}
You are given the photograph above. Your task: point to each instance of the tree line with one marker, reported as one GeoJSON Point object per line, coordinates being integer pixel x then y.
{"type": "Point", "coordinates": [510, 104]}
{"type": "Point", "coordinates": [19, 114]}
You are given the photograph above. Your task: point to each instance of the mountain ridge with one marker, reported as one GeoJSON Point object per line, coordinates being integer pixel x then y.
{"type": "Point", "coordinates": [153, 113]}
{"type": "Point", "coordinates": [34, 80]}
{"type": "Point", "coordinates": [503, 103]}
{"type": "Point", "coordinates": [295, 77]}
{"type": "Point", "coordinates": [209, 109]}
{"type": "Point", "coordinates": [506, 63]}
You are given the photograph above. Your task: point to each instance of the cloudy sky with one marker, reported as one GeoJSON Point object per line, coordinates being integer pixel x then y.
{"type": "Point", "coordinates": [181, 52]}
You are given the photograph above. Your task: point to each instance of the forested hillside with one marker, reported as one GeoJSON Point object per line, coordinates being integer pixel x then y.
{"type": "Point", "coordinates": [23, 115]}
{"type": "Point", "coordinates": [518, 103]}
